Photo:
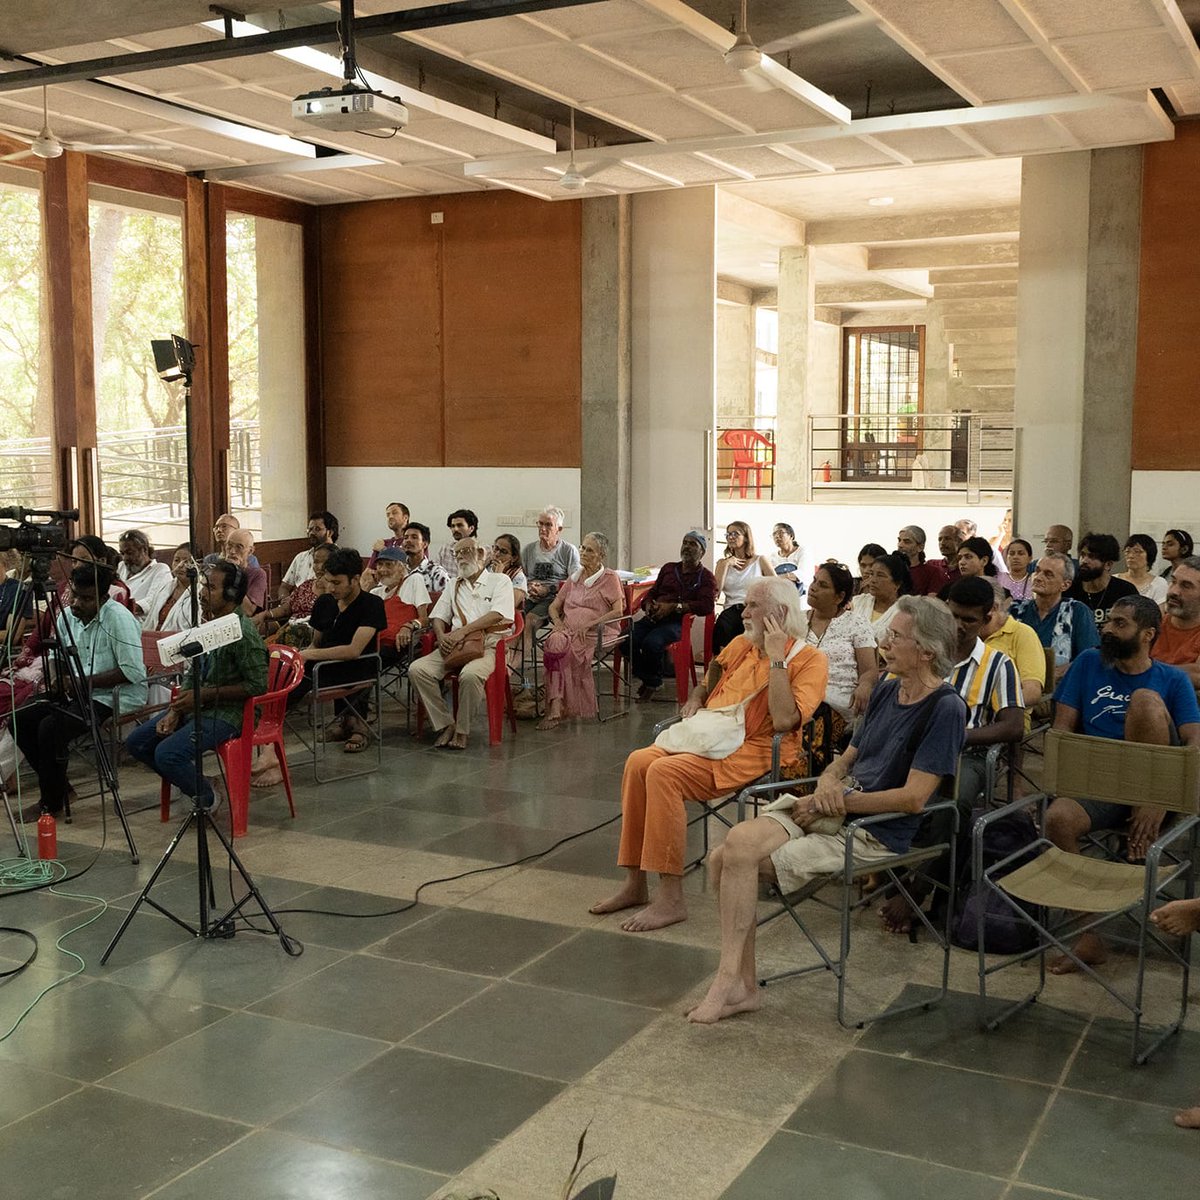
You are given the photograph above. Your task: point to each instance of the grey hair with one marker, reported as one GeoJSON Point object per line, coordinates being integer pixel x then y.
{"type": "Point", "coordinates": [552, 510]}
{"type": "Point", "coordinates": [934, 630]}
{"type": "Point", "coordinates": [1068, 564]}
{"type": "Point", "coordinates": [781, 595]}
{"type": "Point", "coordinates": [1192, 561]}
{"type": "Point", "coordinates": [918, 534]}
{"type": "Point", "coordinates": [601, 541]}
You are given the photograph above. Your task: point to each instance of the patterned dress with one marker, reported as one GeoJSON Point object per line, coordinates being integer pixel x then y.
{"type": "Point", "coordinates": [568, 655]}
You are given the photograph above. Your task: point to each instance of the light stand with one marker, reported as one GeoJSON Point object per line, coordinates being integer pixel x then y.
{"type": "Point", "coordinates": [175, 360]}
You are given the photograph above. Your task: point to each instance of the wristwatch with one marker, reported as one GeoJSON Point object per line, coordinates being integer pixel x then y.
{"type": "Point", "coordinates": [777, 662]}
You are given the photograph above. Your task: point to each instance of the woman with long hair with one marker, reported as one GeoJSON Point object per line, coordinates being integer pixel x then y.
{"type": "Point", "coordinates": [975, 558]}
{"type": "Point", "coordinates": [739, 568]}
{"type": "Point", "coordinates": [1176, 544]}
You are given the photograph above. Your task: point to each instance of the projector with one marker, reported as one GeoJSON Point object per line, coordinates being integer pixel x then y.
{"type": "Point", "coordinates": [350, 108]}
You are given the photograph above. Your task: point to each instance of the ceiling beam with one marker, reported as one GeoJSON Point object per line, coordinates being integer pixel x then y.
{"type": "Point", "coordinates": [921, 227]}
{"type": "Point", "coordinates": [291, 166]}
{"type": "Point", "coordinates": [971, 291]}
{"type": "Point", "coordinates": [729, 291]}
{"type": "Point", "coordinates": [974, 275]}
{"type": "Point", "coordinates": [917, 256]}
{"type": "Point", "coordinates": [766, 222]}
{"type": "Point", "coordinates": [408, 21]}
{"type": "Point", "coordinates": [839, 295]}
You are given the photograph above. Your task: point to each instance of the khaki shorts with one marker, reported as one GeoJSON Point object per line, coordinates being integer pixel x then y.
{"type": "Point", "coordinates": [819, 852]}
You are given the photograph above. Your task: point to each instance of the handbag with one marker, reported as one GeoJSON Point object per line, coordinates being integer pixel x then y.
{"type": "Point", "coordinates": [470, 648]}
{"type": "Point", "coordinates": [713, 732]}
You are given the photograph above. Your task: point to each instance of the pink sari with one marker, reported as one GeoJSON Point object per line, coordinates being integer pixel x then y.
{"type": "Point", "coordinates": [568, 655]}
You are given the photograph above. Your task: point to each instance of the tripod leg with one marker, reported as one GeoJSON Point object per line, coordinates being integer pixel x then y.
{"type": "Point", "coordinates": [289, 946]}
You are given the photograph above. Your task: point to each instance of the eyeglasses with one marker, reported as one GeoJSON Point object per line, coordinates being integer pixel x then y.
{"type": "Point", "coordinates": [890, 635]}
{"type": "Point", "coordinates": [545, 524]}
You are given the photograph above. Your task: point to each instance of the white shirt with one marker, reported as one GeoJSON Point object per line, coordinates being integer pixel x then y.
{"type": "Point", "coordinates": [491, 592]}
{"type": "Point", "coordinates": [412, 591]}
{"type": "Point", "coordinates": [301, 569]}
{"type": "Point", "coordinates": [148, 589]}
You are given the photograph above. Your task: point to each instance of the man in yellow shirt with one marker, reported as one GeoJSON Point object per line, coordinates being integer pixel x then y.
{"type": "Point", "coordinates": [1022, 645]}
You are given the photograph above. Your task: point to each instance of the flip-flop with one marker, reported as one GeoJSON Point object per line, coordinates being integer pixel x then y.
{"type": "Point", "coordinates": [356, 743]}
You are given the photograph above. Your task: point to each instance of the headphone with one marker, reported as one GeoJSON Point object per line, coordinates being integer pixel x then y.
{"type": "Point", "coordinates": [236, 581]}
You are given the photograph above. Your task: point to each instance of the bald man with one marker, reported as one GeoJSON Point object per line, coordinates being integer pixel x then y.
{"type": "Point", "coordinates": [224, 525]}
{"type": "Point", "coordinates": [239, 550]}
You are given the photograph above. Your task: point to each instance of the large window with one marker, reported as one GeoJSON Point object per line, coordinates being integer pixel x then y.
{"type": "Point", "coordinates": [138, 295]}
{"type": "Point", "coordinates": [264, 267]}
{"type": "Point", "coordinates": [882, 394]}
{"type": "Point", "coordinates": [26, 403]}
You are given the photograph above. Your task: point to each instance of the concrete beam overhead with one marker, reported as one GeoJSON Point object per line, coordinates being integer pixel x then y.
{"type": "Point", "coordinates": [922, 255]}
{"type": "Point", "coordinates": [849, 294]}
{"type": "Point", "coordinates": [959, 323]}
{"type": "Point", "coordinates": [989, 379]}
{"type": "Point", "coordinates": [1001, 307]}
{"type": "Point", "coordinates": [917, 227]}
{"type": "Point", "coordinates": [765, 222]}
{"type": "Point", "coordinates": [729, 291]}
{"type": "Point", "coordinates": [974, 275]}
{"type": "Point", "coordinates": [968, 361]}
{"type": "Point", "coordinates": [829, 316]}
{"type": "Point", "coordinates": [974, 291]}
{"type": "Point", "coordinates": [766, 297]}
{"type": "Point", "coordinates": [1002, 335]}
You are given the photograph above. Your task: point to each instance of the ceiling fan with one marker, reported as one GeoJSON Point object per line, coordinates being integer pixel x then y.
{"type": "Point", "coordinates": [48, 145]}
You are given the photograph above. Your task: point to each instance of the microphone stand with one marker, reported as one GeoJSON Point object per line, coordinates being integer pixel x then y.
{"type": "Point", "coordinates": [200, 817]}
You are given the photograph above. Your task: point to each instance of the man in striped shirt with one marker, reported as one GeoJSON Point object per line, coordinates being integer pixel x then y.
{"type": "Point", "coordinates": [988, 682]}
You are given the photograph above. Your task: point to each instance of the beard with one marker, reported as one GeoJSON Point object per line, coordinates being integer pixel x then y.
{"type": "Point", "coordinates": [1114, 649]}
{"type": "Point", "coordinates": [1087, 574]}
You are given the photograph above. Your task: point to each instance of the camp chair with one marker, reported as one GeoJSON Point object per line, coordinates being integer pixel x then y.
{"type": "Point", "coordinates": [894, 874]}
{"type": "Point", "coordinates": [1095, 892]}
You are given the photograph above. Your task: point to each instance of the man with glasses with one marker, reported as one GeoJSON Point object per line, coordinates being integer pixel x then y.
{"type": "Point", "coordinates": [323, 530]}
{"type": "Point", "coordinates": [478, 600]}
{"type": "Point", "coordinates": [548, 562]}
{"type": "Point", "coordinates": [150, 582]}
{"type": "Point", "coordinates": [1061, 623]}
{"type": "Point", "coordinates": [239, 550]}
{"type": "Point", "coordinates": [224, 525]}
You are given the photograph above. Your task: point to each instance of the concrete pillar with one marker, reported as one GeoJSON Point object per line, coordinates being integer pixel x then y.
{"type": "Point", "coordinates": [279, 268]}
{"type": "Point", "coordinates": [797, 290]}
{"type": "Point", "coordinates": [673, 289]}
{"type": "Point", "coordinates": [735, 362]}
{"type": "Point", "coordinates": [605, 478]}
{"type": "Point", "coordinates": [1077, 339]}
{"type": "Point", "coordinates": [1114, 258]}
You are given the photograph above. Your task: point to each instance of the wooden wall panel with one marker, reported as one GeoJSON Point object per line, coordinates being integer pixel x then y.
{"type": "Point", "coordinates": [1166, 417]}
{"type": "Point", "coordinates": [513, 316]}
{"type": "Point", "coordinates": [381, 359]}
{"type": "Point", "coordinates": [455, 344]}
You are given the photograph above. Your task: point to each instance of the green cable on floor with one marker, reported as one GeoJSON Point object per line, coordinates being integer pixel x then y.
{"type": "Point", "coordinates": [58, 945]}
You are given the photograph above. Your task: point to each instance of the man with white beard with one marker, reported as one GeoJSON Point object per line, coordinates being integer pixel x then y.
{"type": "Point", "coordinates": [478, 600]}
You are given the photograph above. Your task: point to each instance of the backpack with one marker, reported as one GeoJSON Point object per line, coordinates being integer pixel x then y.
{"type": "Point", "coordinates": [1003, 931]}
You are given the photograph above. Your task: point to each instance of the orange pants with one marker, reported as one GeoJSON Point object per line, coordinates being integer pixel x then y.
{"type": "Point", "coordinates": [653, 821]}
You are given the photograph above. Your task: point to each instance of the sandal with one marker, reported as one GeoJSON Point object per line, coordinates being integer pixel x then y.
{"type": "Point", "coordinates": [336, 730]}
{"type": "Point", "coordinates": [356, 743]}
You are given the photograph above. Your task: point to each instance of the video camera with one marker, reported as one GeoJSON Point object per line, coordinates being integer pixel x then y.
{"type": "Point", "coordinates": [31, 537]}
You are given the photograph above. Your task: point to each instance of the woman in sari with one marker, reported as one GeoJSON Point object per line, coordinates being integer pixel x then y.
{"type": "Point", "coordinates": [591, 595]}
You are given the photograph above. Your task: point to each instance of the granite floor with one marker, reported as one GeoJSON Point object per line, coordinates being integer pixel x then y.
{"type": "Point", "coordinates": [464, 1044]}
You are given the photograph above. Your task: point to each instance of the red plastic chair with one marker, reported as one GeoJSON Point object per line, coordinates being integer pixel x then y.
{"type": "Point", "coordinates": [284, 673]}
{"type": "Point", "coordinates": [752, 452]}
{"type": "Point", "coordinates": [683, 658]}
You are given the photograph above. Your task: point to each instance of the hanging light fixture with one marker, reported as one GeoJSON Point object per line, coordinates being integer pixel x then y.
{"type": "Point", "coordinates": [572, 179]}
{"type": "Point", "coordinates": [743, 55]}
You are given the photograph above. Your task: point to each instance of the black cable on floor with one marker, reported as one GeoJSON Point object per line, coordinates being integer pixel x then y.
{"type": "Point", "coordinates": [21, 967]}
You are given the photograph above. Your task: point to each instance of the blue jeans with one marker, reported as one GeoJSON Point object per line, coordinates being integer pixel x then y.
{"type": "Point", "coordinates": [172, 756]}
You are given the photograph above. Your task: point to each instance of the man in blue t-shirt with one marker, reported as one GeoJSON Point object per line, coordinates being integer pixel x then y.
{"type": "Point", "coordinates": [1120, 692]}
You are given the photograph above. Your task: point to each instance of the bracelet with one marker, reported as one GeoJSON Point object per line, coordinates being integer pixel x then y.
{"type": "Point", "coordinates": [777, 663]}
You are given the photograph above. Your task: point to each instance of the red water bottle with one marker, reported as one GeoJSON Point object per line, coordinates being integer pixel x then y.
{"type": "Point", "coordinates": [47, 836]}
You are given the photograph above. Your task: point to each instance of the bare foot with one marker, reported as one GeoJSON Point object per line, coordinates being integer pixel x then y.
{"type": "Point", "coordinates": [896, 915]}
{"type": "Point", "coordinates": [1178, 917]}
{"type": "Point", "coordinates": [269, 778]}
{"type": "Point", "coordinates": [1090, 949]}
{"type": "Point", "coordinates": [725, 1000]}
{"type": "Point", "coordinates": [458, 742]}
{"type": "Point", "coordinates": [546, 724]}
{"type": "Point", "coordinates": [630, 896]}
{"type": "Point", "coordinates": [658, 915]}
{"type": "Point", "coordinates": [444, 738]}
{"type": "Point", "coordinates": [1188, 1118]}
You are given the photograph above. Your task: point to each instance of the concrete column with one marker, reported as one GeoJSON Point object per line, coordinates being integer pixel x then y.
{"type": "Point", "coordinates": [797, 290]}
{"type": "Point", "coordinates": [735, 361]}
{"type": "Point", "coordinates": [673, 289]}
{"type": "Point", "coordinates": [279, 262]}
{"type": "Point", "coordinates": [1051, 338]}
{"type": "Point", "coordinates": [1077, 339]}
{"type": "Point", "coordinates": [605, 478]}
{"type": "Point", "coordinates": [1114, 258]}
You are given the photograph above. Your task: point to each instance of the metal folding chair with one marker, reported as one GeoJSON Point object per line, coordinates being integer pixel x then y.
{"type": "Point", "coordinates": [1090, 893]}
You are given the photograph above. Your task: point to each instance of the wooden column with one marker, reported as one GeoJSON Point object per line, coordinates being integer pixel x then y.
{"type": "Point", "coordinates": [199, 331]}
{"type": "Point", "coordinates": [69, 305]}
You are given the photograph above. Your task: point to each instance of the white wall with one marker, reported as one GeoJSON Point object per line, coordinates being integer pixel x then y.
{"type": "Point", "coordinates": [357, 496]}
{"type": "Point", "coordinates": [1162, 500]}
{"type": "Point", "coordinates": [841, 530]}
{"type": "Point", "coordinates": [672, 333]}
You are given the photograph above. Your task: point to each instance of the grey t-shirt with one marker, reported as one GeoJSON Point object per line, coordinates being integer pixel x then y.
{"type": "Point", "coordinates": [550, 567]}
{"type": "Point", "coordinates": [890, 742]}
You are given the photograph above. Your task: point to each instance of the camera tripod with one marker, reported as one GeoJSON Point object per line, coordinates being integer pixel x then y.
{"type": "Point", "coordinates": [66, 682]}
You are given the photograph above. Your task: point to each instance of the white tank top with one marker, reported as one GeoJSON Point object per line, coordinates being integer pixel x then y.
{"type": "Point", "coordinates": [737, 582]}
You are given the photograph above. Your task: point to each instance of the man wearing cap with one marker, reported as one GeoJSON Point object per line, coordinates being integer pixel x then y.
{"type": "Point", "coordinates": [405, 601]}
{"type": "Point", "coordinates": [682, 587]}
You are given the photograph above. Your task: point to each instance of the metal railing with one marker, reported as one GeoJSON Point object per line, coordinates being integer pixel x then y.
{"type": "Point", "coordinates": [27, 472]}
{"type": "Point", "coordinates": [746, 457]}
{"type": "Point", "coordinates": [941, 452]}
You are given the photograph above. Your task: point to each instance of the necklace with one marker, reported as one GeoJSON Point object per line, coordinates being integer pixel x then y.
{"type": "Point", "coordinates": [821, 636]}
